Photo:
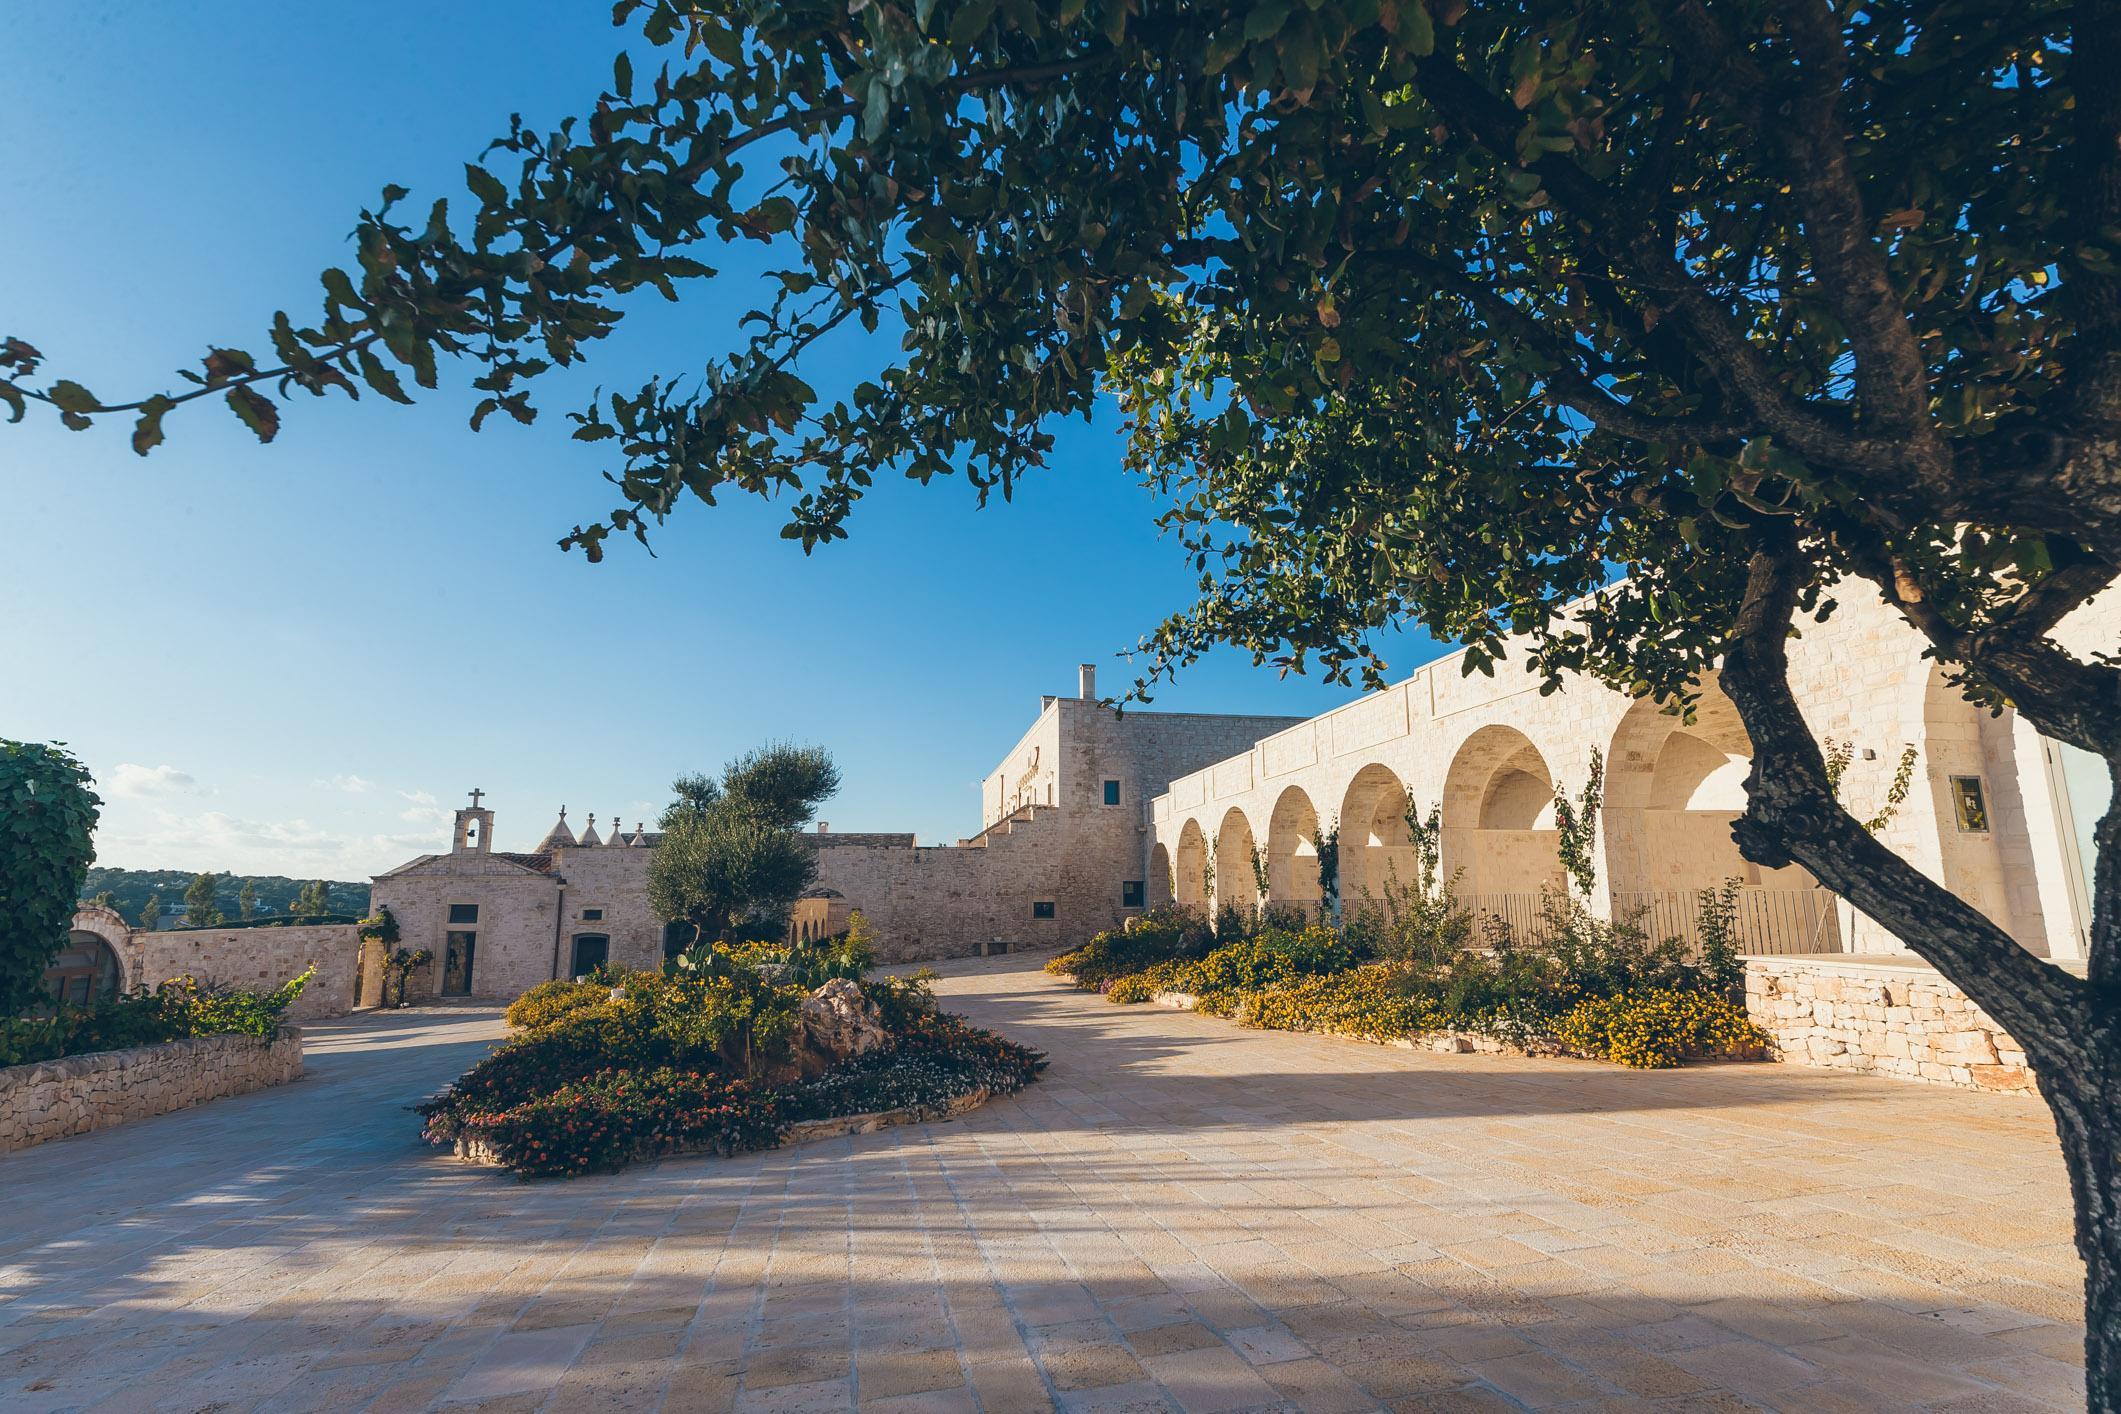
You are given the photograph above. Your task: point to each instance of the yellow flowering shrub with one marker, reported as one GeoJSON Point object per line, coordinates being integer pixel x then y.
{"type": "Point", "coordinates": [1135, 988]}
{"type": "Point", "coordinates": [1657, 1027]}
{"type": "Point", "coordinates": [1362, 1002]}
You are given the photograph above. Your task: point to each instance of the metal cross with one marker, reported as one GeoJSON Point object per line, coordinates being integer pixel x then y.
{"type": "Point", "coordinates": [475, 794]}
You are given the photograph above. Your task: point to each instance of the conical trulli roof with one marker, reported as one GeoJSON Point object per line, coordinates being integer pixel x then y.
{"type": "Point", "coordinates": [557, 836]}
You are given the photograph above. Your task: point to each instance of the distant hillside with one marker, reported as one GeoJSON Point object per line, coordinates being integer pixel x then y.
{"type": "Point", "coordinates": [131, 887]}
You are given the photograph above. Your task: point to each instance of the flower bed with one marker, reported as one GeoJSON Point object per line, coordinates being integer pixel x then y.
{"type": "Point", "coordinates": [717, 1054]}
{"type": "Point", "coordinates": [1598, 989]}
{"type": "Point", "coordinates": [178, 1010]}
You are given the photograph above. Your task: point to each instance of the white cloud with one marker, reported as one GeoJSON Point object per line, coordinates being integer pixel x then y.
{"type": "Point", "coordinates": [147, 782]}
{"type": "Point", "coordinates": [352, 785]}
{"type": "Point", "coordinates": [417, 797]}
{"type": "Point", "coordinates": [425, 815]}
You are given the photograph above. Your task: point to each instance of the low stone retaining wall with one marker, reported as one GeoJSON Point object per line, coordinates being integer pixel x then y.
{"type": "Point", "coordinates": [474, 1150]}
{"type": "Point", "coordinates": [75, 1094]}
{"type": "Point", "coordinates": [1882, 1016]}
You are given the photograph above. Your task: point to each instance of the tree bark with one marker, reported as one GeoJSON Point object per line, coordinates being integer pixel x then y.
{"type": "Point", "coordinates": [2067, 1026]}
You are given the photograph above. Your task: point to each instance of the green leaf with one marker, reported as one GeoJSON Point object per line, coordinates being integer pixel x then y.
{"type": "Point", "coordinates": [622, 75]}
{"type": "Point", "coordinates": [1416, 29]}
{"type": "Point", "coordinates": [378, 376]}
{"type": "Point", "coordinates": [970, 22]}
{"type": "Point", "coordinates": [485, 186]}
{"type": "Point", "coordinates": [257, 412]}
{"type": "Point", "coordinates": [69, 396]}
{"type": "Point", "coordinates": [1265, 21]}
{"type": "Point", "coordinates": [147, 431]}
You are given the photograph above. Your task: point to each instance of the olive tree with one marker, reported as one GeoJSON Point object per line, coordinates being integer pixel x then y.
{"type": "Point", "coordinates": [730, 861]}
{"type": "Point", "coordinates": [1422, 312]}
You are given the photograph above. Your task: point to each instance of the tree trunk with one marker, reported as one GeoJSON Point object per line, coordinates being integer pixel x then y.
{"type": "Point", "coordinates": [2069, 1028]}
{"type": "Point", "coordinates": [2086, 1100]}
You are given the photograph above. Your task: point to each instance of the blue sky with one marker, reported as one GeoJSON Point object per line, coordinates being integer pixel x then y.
{"type": "Point", "coordinates": [296, 658]}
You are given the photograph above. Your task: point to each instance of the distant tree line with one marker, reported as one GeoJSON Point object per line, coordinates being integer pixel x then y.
{"type": "Point", "coordinates": [148, 897]}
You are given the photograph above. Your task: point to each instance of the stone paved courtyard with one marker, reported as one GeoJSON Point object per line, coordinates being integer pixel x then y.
{"type": "Point", "coordinates": [1181, 1215]}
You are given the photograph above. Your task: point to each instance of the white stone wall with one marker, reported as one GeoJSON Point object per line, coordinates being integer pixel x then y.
{"type": "Point", "coordinates": [519, 927]}
{"type": "Point", "coordinates": [254, 959]}
{"type": "Point", "coordinates": [1467, 740]}
{"type": "Point", "coordinates": [1881, 1016]}
{"type": "Point", "coordinates": [52, 1099]}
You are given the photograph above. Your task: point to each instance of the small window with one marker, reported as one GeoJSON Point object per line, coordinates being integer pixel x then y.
{"type": "Point", "coordinates": [1970, 805]}
{"type": "Point", "coordinates": [1041, 910]}
{"type": "Point", "coordinates": [463, 913]}
{"type": "Point", "coordinates": [1130, 893]}
{"type": "Point", "coordinates": [592, 915]}
{"type": "Point", "coordinates": [1111, 792]}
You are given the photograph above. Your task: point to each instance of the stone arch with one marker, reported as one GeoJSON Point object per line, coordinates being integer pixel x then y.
{"type": "Point", "coordinates": [1498, 816]}
{"type": "Point", "coordinates": [1376, 855]}
{"type": "Point", "coordinates": [1236, 885]}
{"type": "Point", "coordinates": [92, 964]}
{"type": "Point", "coordinates": [1190, 876]}
{"type": "Point", "coordinates": [1160, 884]}
{"type": "Point", "coordinates": [1672, 789]}
{"type": "Point", "coordinates": [1292, 852]}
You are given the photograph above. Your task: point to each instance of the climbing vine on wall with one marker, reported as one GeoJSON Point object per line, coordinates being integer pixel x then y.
{"type": "Point", "coordinates": [1838, 756]}
{"type": "Point", "coordinates": [1577, 823]}
{"type": "Point", "coordinates": [1328, 846]}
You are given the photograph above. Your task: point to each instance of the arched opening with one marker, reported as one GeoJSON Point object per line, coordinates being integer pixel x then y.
{"type": "Point", "coordinates": [1236, 882]}
{"type": "Point", "coordinates": [1190, 877]}
{"type": "Point", "coordinates": [1499, 838]}
{"type": "Point", "coordinates": [86, 970]}
{"type": "Point", "coordinates": [1672, 790]}
{"type": "Point", "coordinates": [1376, 855]}
{"type": "Point", "coordinates": [1160, 884]}
{"type": "Point", "coordinates": [1292, 853]}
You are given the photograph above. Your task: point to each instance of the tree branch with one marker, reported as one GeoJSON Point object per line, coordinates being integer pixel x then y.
{"type": "Point", "coordinates": [1792, 815]}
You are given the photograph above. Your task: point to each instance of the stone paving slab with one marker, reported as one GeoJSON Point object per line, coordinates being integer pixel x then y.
{"type": "Point", "coordinates": [1182, 1216]}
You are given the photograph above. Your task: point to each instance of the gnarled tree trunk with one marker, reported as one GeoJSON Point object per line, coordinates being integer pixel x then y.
{"type": "Point", "coordinates": [2068, 1026]}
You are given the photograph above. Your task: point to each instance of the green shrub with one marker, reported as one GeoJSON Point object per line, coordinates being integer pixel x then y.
{"type": "Point", "coordinates": [935, 1060]}
{"type": "Point", "coordinates": [1268, 959]}
{"type": "Point", "coordinates": [178, 1009]}
{"type": "Point", "coordinates": [1368, 1002]}
{"type": "Point", "coordinates": [549, 1002]}
{"type": "Point", "coordinates": [608, 1119]}
{"type": "Point", "coordinates": [1657, 1027]}
{"type": "Point", "coordinates": [1137, 987]}
{"type": "Point", "coordinates": [1161, 935]}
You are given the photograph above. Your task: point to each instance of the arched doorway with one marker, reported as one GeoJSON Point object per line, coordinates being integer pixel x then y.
{"type": "Point", "coordinates": [1236, 882]}
{"type": "Point", "coordinates": [1160, 884]}
{"type": "Point", "coordinates": [1292, 853]}
{"type": "Point", "coordinates": [85, 971]}
{"type": "Point", "coordinates": [1673, 789]}
{"type": "Point", "coordinates": [1191, 875]}
{"type": "Point", "coordinates": [1376, 855]}
{"type": "Point", "coordinates": [1499, 838]}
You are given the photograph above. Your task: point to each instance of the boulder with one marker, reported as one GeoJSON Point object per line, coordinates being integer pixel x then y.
{"type": "Point", "coordinates": [838, 1023]}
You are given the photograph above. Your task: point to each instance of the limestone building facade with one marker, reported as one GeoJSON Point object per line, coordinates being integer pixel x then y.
{"type": "Point", "coordinates": [1095, 815]}
{"type": "Point", "coordinates": [1061, 855]}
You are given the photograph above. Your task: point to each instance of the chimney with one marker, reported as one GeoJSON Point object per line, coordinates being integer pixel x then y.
{"type": "Point", "coordinates": [824, 827]}
{"type": "Point", "coordinates": [1086, 676]}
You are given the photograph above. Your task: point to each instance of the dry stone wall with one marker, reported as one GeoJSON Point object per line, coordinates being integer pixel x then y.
{"type": "Point", "coordinates": [1881, 1017]}
{"type": "Point", "coordinates": [52, 1099]}
{"type": "Point", "coordinates": [256, 960]}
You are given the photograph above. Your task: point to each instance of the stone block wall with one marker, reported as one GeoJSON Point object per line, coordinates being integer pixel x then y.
{"type": "Point", "coordinates": [1881, 1016]}
{"type": "Point", "coordinates": [254, 959]}
{"type": "Point", "coordinates": [52, 1099]}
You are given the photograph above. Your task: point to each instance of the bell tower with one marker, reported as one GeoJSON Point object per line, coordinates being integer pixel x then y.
{"type": "Point", "coordinates": [474, 833]}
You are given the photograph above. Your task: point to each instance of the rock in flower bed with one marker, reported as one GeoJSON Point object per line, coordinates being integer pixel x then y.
{"type": "Point", "coordinates": [720, 1053]}
{"type": "Point", "coordinates": [1593, 988]}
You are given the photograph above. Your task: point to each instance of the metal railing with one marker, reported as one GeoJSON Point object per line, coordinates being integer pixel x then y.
{"type": "Point", "coordinates": [1780, 921]}
{"type": "Point", "coordinates": [1768, 920]}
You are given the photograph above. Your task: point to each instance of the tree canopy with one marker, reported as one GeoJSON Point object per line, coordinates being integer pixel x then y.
{"type": "Point", "coordinates": [730, 861]}
{"type": "Point", "coordinates": [47, 825]}
{"type": "Point", "coordinates": [1420, 312]}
